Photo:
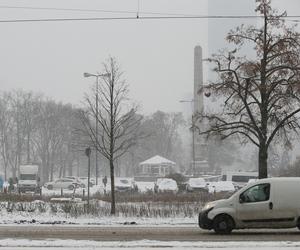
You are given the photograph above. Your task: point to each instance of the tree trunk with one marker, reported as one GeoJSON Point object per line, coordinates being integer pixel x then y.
{"type": "Point", "coordinates": [263, 162]}
{"type": "Point", "coordinates": [70, 166]}
{"type": "Point", "coordinates": [5, 171]}
{"type": "Point", "coordinates": [112, 185]}
{"type": "Point", "coordinates": [51, 171]}
{"type": "Point", "coordinates": [61, 171]}
{"type": "Point", "coordinates": [263, 149]}
{"type": "Point", "coordinates": [28, 148]}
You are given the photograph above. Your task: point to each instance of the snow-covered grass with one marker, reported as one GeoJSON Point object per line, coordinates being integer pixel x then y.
{"type": "Point", "coordinates": [68, 209]}
{"type": "Point", "coordinates": [71, 208]}
{"type": "Point", "coordinates": [63, 210]}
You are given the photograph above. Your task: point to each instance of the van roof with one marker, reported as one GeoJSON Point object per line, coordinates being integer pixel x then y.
{"type": "Point", "coordinates": [251, 173]}
{"type": "Point", "coordinates": [279, 179]}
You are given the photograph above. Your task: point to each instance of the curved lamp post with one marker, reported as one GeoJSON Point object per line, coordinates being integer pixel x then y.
{"type": "Point", "coordinates": [96, 116]}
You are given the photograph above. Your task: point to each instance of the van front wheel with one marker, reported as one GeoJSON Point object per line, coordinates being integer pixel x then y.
{"type": "Point", "coordinates": [223, 224]}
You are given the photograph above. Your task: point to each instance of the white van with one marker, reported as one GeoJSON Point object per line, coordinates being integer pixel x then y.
{"type": "Point", "coordinates": [239, 178]}
{"type": "Point", "coordinates": [266, 203]}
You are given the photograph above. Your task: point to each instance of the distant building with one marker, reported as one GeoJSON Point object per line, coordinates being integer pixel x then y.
{"type": "Point", "coordinates": [155, 167]}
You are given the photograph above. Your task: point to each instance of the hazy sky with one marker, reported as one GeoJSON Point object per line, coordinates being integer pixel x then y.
{"type": "Point", "coordinates": [156, 55]}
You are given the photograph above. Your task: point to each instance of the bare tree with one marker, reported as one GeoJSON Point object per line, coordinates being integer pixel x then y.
{"type": "Point", "coordinates": [6, 133]}
{"type": "Point", "coordinates": [30, 108]}
{"type": "Point", "coordinates": [33, 129]}
{"type": "Point", "coordinates": [118, 121]}
{"type": "Point", "coordinates": [261, 94]}
{"type": "Point", "coordinates": [50, 138]}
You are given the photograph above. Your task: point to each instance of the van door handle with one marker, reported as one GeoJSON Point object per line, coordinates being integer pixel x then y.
{"type": "Point", "coordinates": [271, 205]}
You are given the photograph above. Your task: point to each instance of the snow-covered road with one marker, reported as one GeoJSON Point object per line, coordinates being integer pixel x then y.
{"type": "Point", "coordinates": [143, 244]}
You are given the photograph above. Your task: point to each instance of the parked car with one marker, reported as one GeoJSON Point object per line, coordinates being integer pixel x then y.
{"type": "Point", "coordinates": [124, 184]}
{"type": "Point", "coordinates": [77, 180]}
{"type": "Point", "coordinates": [84, 182]}
{"type": "Point", "coordinates": [165, 185]}
{"type": "Point", "coordinates": [221, 186]}
{"type": "Point", "coordinates": [196, 185]}
{"type": "Point", "coordinates": [261, 204]}
{"type": "Point", "coordinates": [63, 183]}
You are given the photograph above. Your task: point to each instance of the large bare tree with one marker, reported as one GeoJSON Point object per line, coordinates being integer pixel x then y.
{"type": "Point", "coordinates": [118, 120]}
{"type": "Point", "coordinates": [260, 93]}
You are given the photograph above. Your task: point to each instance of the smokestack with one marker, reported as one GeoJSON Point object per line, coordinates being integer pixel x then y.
{"type": "Point", "coordinates": [198, 80]}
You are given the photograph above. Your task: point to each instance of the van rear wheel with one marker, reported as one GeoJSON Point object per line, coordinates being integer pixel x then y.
{"type": "Point", "coordinates": [298, 223]}
{"type": "Point", "coordinates": [223, 224]}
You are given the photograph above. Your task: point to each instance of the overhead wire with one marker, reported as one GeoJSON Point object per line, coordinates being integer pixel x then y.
{"type": "Point", "coordinates": [130, 18]}
{"type": "Point", "coordinates": [92, 10]}
{"type": "Point", "coordinates": [138, 15]}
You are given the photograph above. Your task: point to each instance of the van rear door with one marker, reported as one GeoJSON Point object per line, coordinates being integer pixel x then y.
{"type": "Point", "coordinates": [286, 202]}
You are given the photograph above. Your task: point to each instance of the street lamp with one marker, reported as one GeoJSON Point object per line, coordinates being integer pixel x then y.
{"type": "Point", "coordinates": [85, 74]}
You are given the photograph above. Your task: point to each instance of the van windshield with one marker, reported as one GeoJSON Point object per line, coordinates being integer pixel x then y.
{"type": "Point", "coordinates": [27, 177]}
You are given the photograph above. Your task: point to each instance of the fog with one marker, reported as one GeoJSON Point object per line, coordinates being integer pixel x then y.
{"type": "Point", "coordinates": [156, 55]}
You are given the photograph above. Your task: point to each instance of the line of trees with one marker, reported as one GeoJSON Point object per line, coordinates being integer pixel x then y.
{"type": "Point", "coordinates": [34, 129]}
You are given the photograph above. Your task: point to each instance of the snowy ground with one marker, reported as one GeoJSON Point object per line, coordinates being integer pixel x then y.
{"type": "Point", "coordinates": [47, 213]}
{"type": "Point", "coordinates": [38, 219]}
{"type": "Point", "coordinates": [144, 244]}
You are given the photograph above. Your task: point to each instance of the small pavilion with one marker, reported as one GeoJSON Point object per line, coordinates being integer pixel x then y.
{"type": "Point", "coordinates": [156, 166]}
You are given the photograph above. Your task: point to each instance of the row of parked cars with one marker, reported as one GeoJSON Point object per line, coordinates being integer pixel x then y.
{"type": "Point", "coordinates": [161, 185]}
{"type": "Point", "coordinates": [195, 185]}
{"type": "Point", "coordinates": [171, 186]}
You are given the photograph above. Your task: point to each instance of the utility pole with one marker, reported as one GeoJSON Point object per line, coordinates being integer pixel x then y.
{"type": "Point", "coordinates": [193, 141]}
{"type": "Point", "coordinates": [97, 112]}
{"type": "Point", "coordinates": [88, 154]}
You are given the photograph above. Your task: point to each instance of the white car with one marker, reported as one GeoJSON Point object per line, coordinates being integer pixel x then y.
{"type": "Point", "coordinates": [77, 180]}
{"type": "Point", "coordinates": [196, 185]}
{"type": "Point", "coordinates": [124, 184]}
{"type": "Point", "coordinates": [166, 185]}
{"type": "Point", "coordinates": [221, 186]}
{"type": "Point", "coordinates": [63, 183]}
{"type": "Point", "coordinates": [84, 182]}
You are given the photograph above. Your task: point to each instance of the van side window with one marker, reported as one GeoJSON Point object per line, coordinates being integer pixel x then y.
{"type": "Point", "coordinates": [256, 193]}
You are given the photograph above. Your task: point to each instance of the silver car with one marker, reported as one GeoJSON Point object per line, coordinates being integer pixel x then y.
{"type": "Point", "coordinates": [63, 183]}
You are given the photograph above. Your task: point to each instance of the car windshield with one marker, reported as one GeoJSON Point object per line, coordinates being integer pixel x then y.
{"type": "Point", "coordinates": [63, 180]}
{"type": "Point", "coordinates": [27, 177]}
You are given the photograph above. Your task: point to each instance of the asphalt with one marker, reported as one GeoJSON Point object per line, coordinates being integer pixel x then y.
{"type": "Point", "coordinates": [133, 233]}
